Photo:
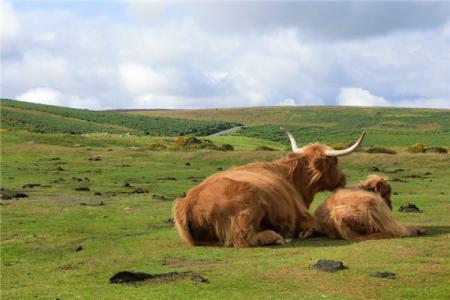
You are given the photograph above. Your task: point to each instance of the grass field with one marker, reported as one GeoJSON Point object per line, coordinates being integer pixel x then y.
{"type": "Point", "coordinates": [122, 230]}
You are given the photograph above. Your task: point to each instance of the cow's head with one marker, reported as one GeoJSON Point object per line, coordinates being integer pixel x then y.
{"type": "Point", "coordinates": [378, 185]}
{"type": "Point", "coordinates": [317, 165]}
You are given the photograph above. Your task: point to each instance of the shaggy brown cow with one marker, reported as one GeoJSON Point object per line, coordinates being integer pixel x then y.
{"type": "Point", "coordinates": [362, 213]}
{"type": "Point", "coordinates": [260, 203]}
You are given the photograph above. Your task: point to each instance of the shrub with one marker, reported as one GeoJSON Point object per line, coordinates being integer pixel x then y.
{"type": "Point", "coordinates": [158, 146]}
{"type": "Point", "coordinates": [338, 146]}
{"type": "Point", "coordinates": [437, 150]}
{"type": "Point", "coordinates": [192, 142]}
{"type": "Point", "coordinates": [380, 149]}
{"type": "Point", "coordinates": [264, 148]}
{"type": "Point", "coordinates": [417, 148]}
{"type": "Point", "coordinates": [226, 147]}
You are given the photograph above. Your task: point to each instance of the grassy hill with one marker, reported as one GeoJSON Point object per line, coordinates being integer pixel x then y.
{"type": "Point", "coordinates": [384, 126]}
{"type": "Point", "coordinates": [54, 119]}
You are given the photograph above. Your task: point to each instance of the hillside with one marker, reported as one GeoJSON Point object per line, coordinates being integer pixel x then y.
{"type": "Point", "coordinates": [384, 126]}
{"type": "Point", "coordinates": [54, 119]}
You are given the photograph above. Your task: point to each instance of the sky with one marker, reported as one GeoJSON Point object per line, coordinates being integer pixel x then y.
{"type": "Point", "coordinates": [142, 54]}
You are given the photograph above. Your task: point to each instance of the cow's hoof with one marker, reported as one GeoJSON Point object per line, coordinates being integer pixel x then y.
{"type": "Point", "coordinates": [288, 241]}
{"type": "Point", "coordinates": [280, 242]}
{"type": "Point", "coordinates": [306, 234]}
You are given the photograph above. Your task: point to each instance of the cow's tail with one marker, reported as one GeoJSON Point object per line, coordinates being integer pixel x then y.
{"type": "Point", "coordinates": [181, 213]}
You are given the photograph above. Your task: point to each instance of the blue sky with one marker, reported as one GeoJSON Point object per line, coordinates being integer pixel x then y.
{"type": "Point", "coordinates": [125, 54]}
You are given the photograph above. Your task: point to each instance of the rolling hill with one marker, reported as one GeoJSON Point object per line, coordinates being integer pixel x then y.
{"type": "Point", "coordinates": [54, 119]}
{"type": "Point", "coordinates": [393, 127]}
{"type": "Point", "coordinates": [384, 126]}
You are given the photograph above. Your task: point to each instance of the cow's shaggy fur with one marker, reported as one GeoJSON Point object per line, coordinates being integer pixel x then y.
{"type": "Point", "coordinates": [362, 213]}
{"type": "Point", "coordinates": [259, 203]}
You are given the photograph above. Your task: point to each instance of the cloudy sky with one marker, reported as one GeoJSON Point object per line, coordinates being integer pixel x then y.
{"type": "Point", "coordinates": [126, 54]}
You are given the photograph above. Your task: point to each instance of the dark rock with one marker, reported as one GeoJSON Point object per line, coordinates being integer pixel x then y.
{"type": "Point", "coordinates": [169, 221]}
{"type": "Point", "coordinates": [82, 189]}
{"type": "Point", "coordinates": [389, 275]}
{"type": "Point", "coordinates": [199, 278]}
{"type": "Point", "coordinates": [219, 169]}
{"type": "Point", "coordinates": [59, 169]}
{"type": "Point", "coordinates": [427, 173]}
{"type": "Point", "coordinates": [167, 178]}
{"type": "Point", "coordinates": [97, 194]}
{"type": "Point", "coordinates": [187, 164]}
{"type": "Point", "coordinates": [79, 249]}
{"type": "Point", "coordinates": [95, 158]}
{"type": "Point", "coordinates": [374, 169]}
{"type": "Point", "coordinates": [395, 193]}
{"type": "Point", "coordinates": [128, 276]}
{"type": "Point", "coordinates": [127, 184]}
{"type": "Point", "coordinates": [409, 208]}
{"type": "Point", "coordinates": [7, 194]}
{"type": "Point", "coordinates": [59, 180]}
{"type": "Point", "coordinates": [55, 158]}
{"type": "Point", "coordinates": [328, 265]}
{"type": "Point", "coordinates": [159, 197]}
{"type": "Point", "coordinates": [398, 180]}
{"type": "Point", "coordinates": [77, 179]}
{"type": "Point", "coordinates": [30, 185]}
{"type": "Point", "coordinates": [138, 191]}
{"type": "Point", "coordinates": [393, 171]}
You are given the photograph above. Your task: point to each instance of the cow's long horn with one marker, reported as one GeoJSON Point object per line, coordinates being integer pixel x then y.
{"type": "Point", "coordinates": [293, 142]}
{"type": "Point", "coordinates": [348, 150]}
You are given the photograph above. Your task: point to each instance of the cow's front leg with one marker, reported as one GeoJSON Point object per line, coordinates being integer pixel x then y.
{"type": "Point", "coordinates": [308, 226]}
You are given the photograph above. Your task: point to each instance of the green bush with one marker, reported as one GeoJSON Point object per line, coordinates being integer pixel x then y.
{"type": "Point", "coordinates": [437, 150]}
{"type": "Point", "coordinates": [226, 147]}
{"type": "Point", "coordinates": [417, 148]}
{"type": "Point", "coordinates": [264, 148]}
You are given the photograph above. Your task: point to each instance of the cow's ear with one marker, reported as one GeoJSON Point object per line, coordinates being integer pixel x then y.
{"type": "Point", "coordinates": [380, 187]}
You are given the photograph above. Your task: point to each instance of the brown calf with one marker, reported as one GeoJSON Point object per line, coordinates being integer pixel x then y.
{"type": "Point", "coordinates": [362, 213]}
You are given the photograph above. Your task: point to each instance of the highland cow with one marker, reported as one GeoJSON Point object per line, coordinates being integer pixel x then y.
{"type": "Point", "coordinates": [260, 203]}
{"type": "Point", "coordinates": [362, 213]}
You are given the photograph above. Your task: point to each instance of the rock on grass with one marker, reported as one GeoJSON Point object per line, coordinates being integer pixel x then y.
{"type": "Point", "coordinates": [328, 265]}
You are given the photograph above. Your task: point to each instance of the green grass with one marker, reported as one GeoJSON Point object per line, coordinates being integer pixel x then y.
{"type": "Point", "coordinates": [39, 234]}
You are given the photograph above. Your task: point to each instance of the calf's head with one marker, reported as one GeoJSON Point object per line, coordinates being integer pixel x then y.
{"type": "Point", "coordinates": [378, 185]}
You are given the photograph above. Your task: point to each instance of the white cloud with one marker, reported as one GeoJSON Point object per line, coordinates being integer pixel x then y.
{"type": "Point", "coordinates": [41, 95]}
{"type": "Point", "coordinates": [287, 102]}
{"type": "Point", "coordinates": [140, 78]}
{"type": "Point", "coordinates": [9, 23]}
{"type": "Point", "coordinates": [359, 97]}
{"type": "Point", "coordinates": [51, 96]}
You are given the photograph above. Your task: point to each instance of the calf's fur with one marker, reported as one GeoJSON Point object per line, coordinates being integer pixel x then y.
{"type": "Point", "coordinates": [362, 213]}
